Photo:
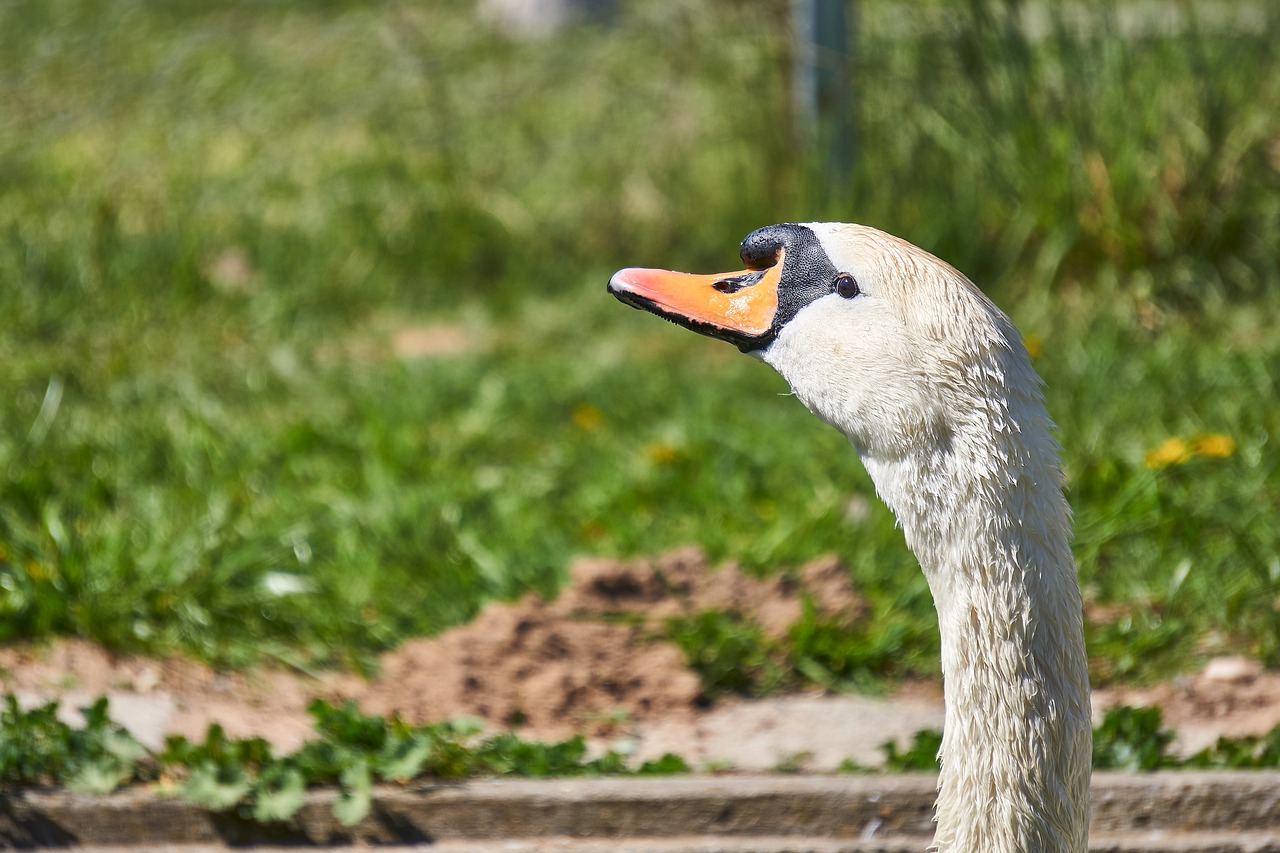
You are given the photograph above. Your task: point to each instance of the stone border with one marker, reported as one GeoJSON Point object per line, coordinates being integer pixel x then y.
{"type": "Point", "coordinates": [892, 811]}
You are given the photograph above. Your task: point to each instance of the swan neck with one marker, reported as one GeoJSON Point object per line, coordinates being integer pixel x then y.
{"type": "Point", "coordinates": [995, 548]}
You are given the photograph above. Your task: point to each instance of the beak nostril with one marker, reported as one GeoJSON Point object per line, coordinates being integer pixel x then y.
{"type": "Point", "coordinates": [734, 283]}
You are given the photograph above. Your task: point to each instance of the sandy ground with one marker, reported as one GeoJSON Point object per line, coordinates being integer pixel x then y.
{"type": "Point", "coordinates": [593, 661]}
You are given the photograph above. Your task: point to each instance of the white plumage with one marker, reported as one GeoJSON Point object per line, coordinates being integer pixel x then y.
{"type": "Point", "coordinates": [930, 382]}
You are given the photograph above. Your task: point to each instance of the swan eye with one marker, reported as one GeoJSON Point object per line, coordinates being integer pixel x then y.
{"type": "Point", "coordinates": [845, 285]}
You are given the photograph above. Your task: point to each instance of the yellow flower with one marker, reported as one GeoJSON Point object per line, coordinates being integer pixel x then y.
{"type": "Point", "coordinates": [659, 453]}
{"type": "Point", "coordinates": [1174, 451]}
{"type": "Point", "coordinates": [1034, 345]}
{"type": "Point", "coordinates": [587, 416]}
{"type": "Point", "coordinates": [1214, 444]}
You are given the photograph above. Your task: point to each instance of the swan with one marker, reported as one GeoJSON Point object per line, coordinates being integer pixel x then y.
{"type": "Point", "coordinates": [932, 385]}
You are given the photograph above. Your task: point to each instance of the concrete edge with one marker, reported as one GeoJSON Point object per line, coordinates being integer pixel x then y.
{"type": "Point", "coordinates": [886, 807]}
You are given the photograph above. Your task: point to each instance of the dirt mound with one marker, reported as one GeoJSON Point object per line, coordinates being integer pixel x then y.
{"type": "Point", "coordinates": [682, 583]}
{"type": "Point", "coordinates": [588, 661]}
{"type": "Point", "coordinates": [595, 656]}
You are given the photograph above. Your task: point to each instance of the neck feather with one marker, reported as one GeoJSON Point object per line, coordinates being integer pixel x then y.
{"type": "Point", "coordinates": [984, 512]}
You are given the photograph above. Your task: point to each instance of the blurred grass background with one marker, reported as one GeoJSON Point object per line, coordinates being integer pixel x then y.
{"type": "Point", "coordinates": [306, 348]}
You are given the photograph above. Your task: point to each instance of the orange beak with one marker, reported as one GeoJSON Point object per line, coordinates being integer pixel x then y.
{"type": "Point", "coordinates": [738, 307]}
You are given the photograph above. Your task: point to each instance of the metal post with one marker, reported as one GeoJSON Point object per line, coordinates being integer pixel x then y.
{"type": "Point", "coordinates": [823, 91]}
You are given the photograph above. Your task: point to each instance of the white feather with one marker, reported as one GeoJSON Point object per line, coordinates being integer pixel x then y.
{"type": "Point", "coordinates": [931, 383]}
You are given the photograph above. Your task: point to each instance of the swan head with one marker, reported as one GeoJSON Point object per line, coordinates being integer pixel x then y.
{"type": "Point", "coordinates": [932, 385]}
{"type": "Point", "coordinates": [884, 341]}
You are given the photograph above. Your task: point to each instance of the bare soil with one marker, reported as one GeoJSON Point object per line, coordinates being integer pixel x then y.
{"type": "Point", "coordinates": [594, 660]}
{"type": "Point", "coordinates": [1231, 697]}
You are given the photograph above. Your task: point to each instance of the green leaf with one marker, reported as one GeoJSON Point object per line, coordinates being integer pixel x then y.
{"type": "Point", "coordinates": [101, 776]}
{"type": "Point", "coordinates": [669, 764]}
{"type": "Point", "coordinates": [345, 724]}
{"type": "Point", "coordinates": [217, 788]}
{"type": "Point", "coordinates": [921, 755]}
{"type": "Point", "coordinates": [95, 715]}
{"type": "Point", "coordinates": [123, 746]}
{"type": "Point", "coordinates": [356, 796]}
{"type": "Point", "coordinates": [463, 727]}
{"type": "Point", "coordinates": [405, 758]}
{"type": "Point", "coordinates": [1132, 739]}
{"type": "Point", "coordinates": [279, 794]}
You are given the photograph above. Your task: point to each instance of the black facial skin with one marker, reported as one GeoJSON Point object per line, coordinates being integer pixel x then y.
{"type": "Point", "coordinates": [807, 274]}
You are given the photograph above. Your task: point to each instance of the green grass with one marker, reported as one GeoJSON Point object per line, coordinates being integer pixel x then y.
{"type": "Point", "coordinates": [213, 221]}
